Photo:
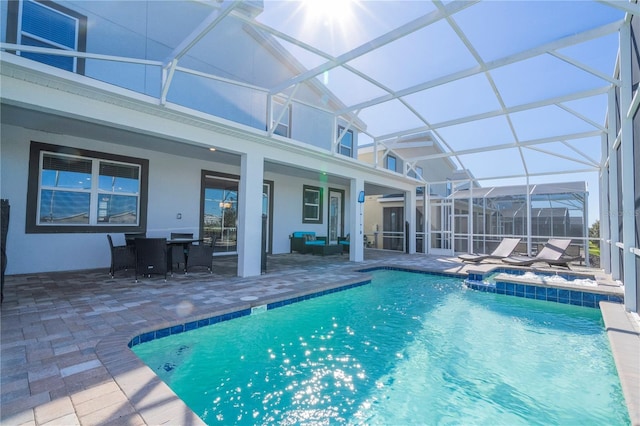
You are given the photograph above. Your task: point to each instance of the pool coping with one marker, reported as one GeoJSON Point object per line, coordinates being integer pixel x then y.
{"type": "Point", "coordinates": [156, 403]}
{"type": "Point", "coordinates": [624, 339]}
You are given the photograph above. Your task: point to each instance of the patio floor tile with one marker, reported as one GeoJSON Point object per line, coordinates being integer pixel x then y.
{"type": "Point", "coordinates": [63, 354]}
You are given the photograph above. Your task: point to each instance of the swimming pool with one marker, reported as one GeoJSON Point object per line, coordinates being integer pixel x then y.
{"type": "Point", "coordinates": [407, 348]}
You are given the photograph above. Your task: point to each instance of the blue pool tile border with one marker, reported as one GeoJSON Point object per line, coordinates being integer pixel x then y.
{"type": "Point", "coordinates": [181, 328]}
{"type": "Point", "coordinates": [414, 271]}
{"type": "Point", "coordinates": [549, 294]}
{"type": "Point", "coordinates": [472, 280]}
{"type": "Point", "coordinates": [286, 302]}
{"type": "Point", "coordinates": [588, 299]}
{"type": "Point", "coordinates": [193, 325]}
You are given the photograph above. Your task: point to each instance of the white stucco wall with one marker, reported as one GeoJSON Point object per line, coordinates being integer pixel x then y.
{"type": "Point", "coordinates": [174, 187]}
{"type": "Point", "coordinates": [174, 180]}
{"type": "Point", "coordinates": [288, 215]}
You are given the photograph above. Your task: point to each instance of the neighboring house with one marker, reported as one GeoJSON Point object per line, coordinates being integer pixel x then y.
{"type": "Point", "coordinates": [392, 155]}
{"type": "Point", "coordinates": [554, 210]}
{"type": "Point", "coordinates": [384, 217]}
{"type": "Point", "coordinates": [164, 125]}
{"type": "Point", "coordinates": [557, 210]}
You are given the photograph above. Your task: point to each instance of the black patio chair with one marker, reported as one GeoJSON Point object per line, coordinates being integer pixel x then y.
{"type": "Point", "coordinates": [130, 237]}
{"type": "Point", "coordinates": [122, 257]}
{"type": "Point", "coordinates": [151, 257]}
{"type": "Point", "coordinates": [178, 251]}
{"type": "Point", "coordinates": [201, 255]}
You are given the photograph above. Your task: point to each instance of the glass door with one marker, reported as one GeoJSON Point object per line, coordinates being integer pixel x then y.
{"type": "Point", "coordinates": [441, 232]}
{"type": "Point", "coordinates": [393, 228]}
{"type": "Point", "coordinates": [220, 212]}
{"type": "Point", "coordinates": [267, 209]}
{"type": "Point", "coordinates": [336, 200]}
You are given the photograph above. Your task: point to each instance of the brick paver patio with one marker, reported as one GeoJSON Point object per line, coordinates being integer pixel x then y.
{"type": "Point", "coordinates": [63, 353]}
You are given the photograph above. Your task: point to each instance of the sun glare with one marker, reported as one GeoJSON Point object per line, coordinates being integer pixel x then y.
{"type": "Point", "coordinates": [329, 11]}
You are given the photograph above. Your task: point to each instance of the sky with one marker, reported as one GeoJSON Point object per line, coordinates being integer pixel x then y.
{"type": "Point", "coordinates": [468, 111]}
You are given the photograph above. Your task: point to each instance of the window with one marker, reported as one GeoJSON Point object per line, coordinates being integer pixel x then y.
{"type": "Point", "coordinates": [346, 143]}
{"type": "Point", "coordinates": [391, 162]}
{"type": "Point", "coordinates": [311, 204]}
{"type": "Point", "coordinates": [417, 173]}
{"type": "Point", "coordinates": [73, 190]}
{"type": "Point", "coordinates": [283, 128]}
{"type": "Point", "coordinates": [47, 24]}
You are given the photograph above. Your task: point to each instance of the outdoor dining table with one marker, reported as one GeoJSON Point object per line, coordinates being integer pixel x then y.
{"type": "Point", "coordinates": [185, 243]}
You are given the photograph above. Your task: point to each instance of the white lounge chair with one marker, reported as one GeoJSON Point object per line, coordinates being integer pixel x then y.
{"type": "Point", "coordinates": [552, 253]}
{"type": "Point", "coordinates": [504, 249]}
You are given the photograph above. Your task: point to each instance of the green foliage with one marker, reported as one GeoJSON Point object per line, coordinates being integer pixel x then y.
{"type": "Point", "coordinates": [594, 233]}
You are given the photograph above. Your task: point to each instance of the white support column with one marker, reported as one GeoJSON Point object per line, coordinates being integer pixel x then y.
{"type": "Point", "coordinates": [529, 225]}
{"type": "Point", "coordinates": [410, 216]}
{"type": "Point", "coordinates": [470, 228]}
{"type": "Point", "coordinates": [427, 219]}
{"type": "Point", "coordinates": [612, 204]}
{"type": "Point", "coordinates": [605, 230]}
{"type": "Point", "coordinates": [356, 221]}
{"type": "Point", "coordinates": [585, 227]}
{"type": "Point", "coordinates": [250, 214]}
{"type": "Point", "coordinates": [628, 186]}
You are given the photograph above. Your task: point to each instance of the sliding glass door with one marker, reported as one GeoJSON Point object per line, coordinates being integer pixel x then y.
{"type": "Point", "coordinates": [220, 211]}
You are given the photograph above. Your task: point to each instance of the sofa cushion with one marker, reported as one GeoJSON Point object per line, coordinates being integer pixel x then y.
{"type": "Point", "coordinates": [301, 234]}
{"type": "Point", "coordinates": [315, 243]}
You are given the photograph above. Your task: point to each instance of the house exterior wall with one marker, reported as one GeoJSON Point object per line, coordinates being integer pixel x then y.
{"type": "Point", "coordinates": [174, 187]}
{"type": "Point", "coordinates": [288, 192]}
{"type": "Point", "coordinates": [199, 113]}
{"type": "Point", "coordinates": [373, 220]}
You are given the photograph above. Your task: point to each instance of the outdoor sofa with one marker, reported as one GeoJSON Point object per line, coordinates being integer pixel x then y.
{"type": "Point", "coordinates": [303, 241]}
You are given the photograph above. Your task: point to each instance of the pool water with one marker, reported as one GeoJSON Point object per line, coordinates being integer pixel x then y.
{"type": "Point", "coordinates": [408, 348]}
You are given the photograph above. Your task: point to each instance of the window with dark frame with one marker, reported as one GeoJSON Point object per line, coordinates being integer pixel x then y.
{"type": "Point", "coordinates": [74, 190]}
{"type": "Point", "coordinates": [47, 24]}
{"type": "Point", "coordinates": [311, 204]}
{"type": "Point", "coordinates": [346, 143]}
